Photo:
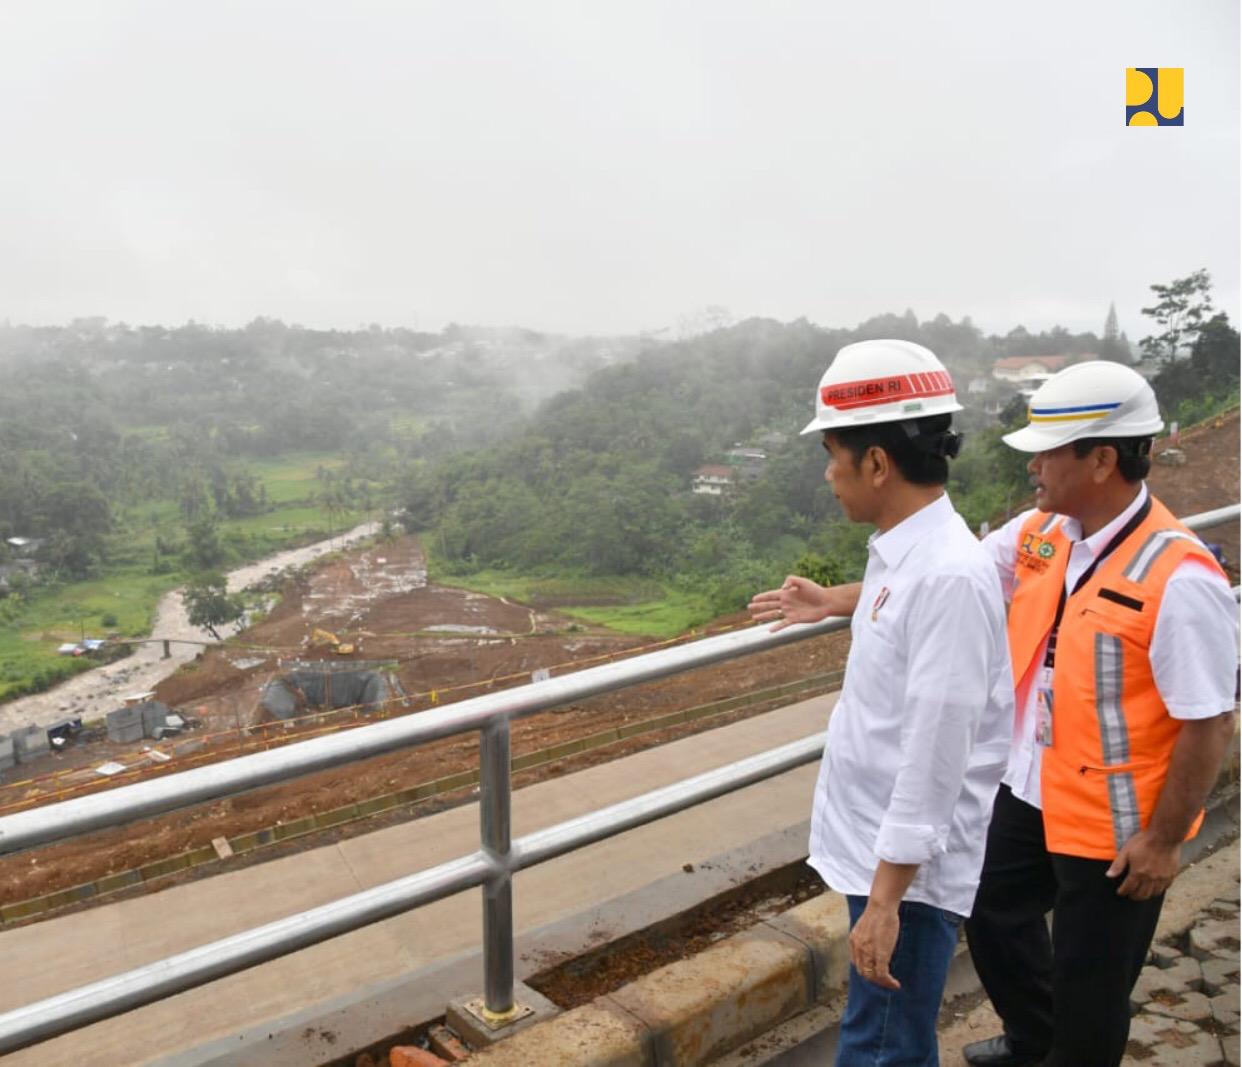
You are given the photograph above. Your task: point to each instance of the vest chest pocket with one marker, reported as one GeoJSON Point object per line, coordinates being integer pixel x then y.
{"type": "Point", "coordinates": [1103, 615]}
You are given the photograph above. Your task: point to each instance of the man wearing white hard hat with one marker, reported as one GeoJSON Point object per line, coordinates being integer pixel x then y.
{"type": "Point", "coordinates": [1123, 634]}
{"type": "Point", "coordinates": [920, 735]}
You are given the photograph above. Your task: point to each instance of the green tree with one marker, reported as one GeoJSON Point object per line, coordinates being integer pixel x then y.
{"type": "Point", "coordinates": [1211, 371]}
{"type": "Point", "coordinates": [193, 499]}
{"type": "Point", "coordinates": [204, 549]}
{"type": "Point", "coordinates": [819, 569]}
{"type": "Point", "coordinates": [210, 605]}
{"type": "Point", "coordinates": [1111, 346]}
{"type": "Point", "coordinates": [1214, 356]}
{"type": "Point", "coordinates": [1180, 313]}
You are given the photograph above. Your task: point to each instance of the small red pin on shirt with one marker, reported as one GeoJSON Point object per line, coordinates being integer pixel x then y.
{"type": "Point", "coordinates": [880, 601]}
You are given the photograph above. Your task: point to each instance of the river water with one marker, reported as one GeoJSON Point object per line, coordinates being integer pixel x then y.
{"type": "Point", "coordinates": [96, 692]}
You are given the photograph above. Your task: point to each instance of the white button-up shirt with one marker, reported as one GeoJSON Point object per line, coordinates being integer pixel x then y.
{"type": "Point", "coordinates": [920, 734]}
{"type": "Point", "coordinates": [1194, 645]}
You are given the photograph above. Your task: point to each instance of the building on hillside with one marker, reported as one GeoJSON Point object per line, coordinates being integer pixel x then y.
{"type": "Point", "coordinates": [24, 547]}
{"type": "Point", "coordinates": [979, 385]}
{"type": "Point", "coordinates": [1025, 368]}
{"type": "Point", "coordinates": [712, 479]}
{"type": "Point", "coordinates": [748, 462]}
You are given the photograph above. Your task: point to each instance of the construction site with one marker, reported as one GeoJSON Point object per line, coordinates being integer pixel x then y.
{"type": "Point", "coordinates": [364, 637]}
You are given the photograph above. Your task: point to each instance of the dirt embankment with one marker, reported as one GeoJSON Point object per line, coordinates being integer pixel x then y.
{"type": "Point", "coordinates": [455, 643]}
{"type": "Point", "coordinates": [1209, 479]}
{"type": "Point", "coordinates": [94, 693]}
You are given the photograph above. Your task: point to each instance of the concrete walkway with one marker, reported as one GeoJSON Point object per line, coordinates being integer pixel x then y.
{"type": "Point", "coordinates": [59, 954]}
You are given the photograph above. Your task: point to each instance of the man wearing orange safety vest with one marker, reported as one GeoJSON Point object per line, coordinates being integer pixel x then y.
{"type": "Point", "coordinates": [1123, 636]}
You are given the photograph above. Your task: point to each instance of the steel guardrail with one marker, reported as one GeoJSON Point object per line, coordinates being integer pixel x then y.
{"type": "Point", "coordinates": [491, 867]}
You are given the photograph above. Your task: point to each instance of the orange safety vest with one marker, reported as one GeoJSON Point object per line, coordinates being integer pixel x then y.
{"type": "Point", "coordinates": [1112, 737]}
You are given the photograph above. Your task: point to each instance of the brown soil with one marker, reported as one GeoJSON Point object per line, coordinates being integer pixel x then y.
{"type": "Point", "coordinates": [1208, 480]}
{"type": "Point", "coordinates": [580, 980]}
{"type": "Point", "coordinates": [366, 597]}
{"type": "Point", "coordinates": [221, 689]}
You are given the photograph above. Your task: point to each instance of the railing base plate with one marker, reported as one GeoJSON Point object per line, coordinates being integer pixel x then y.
{"type": "Point", "coordinates": [479, 1027]}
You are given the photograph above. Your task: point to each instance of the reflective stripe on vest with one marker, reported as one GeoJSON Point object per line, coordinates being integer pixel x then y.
{"type": "Point", "coordinates": [1112, 736]}
{"type": "Point", "coordinates": [1155, 544]}
{"type": "Point", "coordinates": [1115, 737]}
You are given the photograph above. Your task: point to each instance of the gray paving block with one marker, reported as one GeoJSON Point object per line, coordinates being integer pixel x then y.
{"type": "Point", "coordinates": [1225, 1007]}
{"type": "Point", "coordinates": [1184, 976]}
{"type": "Point", "coordinates": [1209, 937]}
{"type": "Point", "coordinates": [1150, 1030]}
{"type": "Point", "coordinates": [1163, 955]}
{"type": "Point", "coordinates": [1191, 1006]}
{"type": "Point", "coordinates": [1219, 972]}
{"type": "Point", "coordinates": [1229, 1046]}
{"type": "Point", "coordinates": [1198, 1050]}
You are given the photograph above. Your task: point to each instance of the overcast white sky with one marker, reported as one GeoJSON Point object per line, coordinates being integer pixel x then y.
{"type": "Point", "coordinates": [609, 167]}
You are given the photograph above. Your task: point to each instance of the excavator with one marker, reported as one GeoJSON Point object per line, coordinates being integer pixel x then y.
{"type": "Point", "coordinates": [326, 639]}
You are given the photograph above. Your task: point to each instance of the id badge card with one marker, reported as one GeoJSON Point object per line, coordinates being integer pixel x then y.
{"type": "Point", "coordinates": [1043, 707]}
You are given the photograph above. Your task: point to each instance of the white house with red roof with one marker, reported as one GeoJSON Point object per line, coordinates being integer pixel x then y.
{"type": "Point", "coordinates": [1029, 368]}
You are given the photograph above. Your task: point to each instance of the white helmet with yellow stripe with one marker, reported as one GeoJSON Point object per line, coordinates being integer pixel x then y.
{"type": "Point", "coordinates": [1093, 399]}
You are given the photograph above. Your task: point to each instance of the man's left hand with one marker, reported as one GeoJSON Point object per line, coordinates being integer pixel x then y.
{"type": "Point", "coordinates": [872, 942]}
{"type": "Point", "coordinates": [1150, 866]}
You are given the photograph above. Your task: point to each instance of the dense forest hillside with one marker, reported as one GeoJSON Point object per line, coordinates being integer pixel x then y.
{"type": "Point", "coordinates": [600, 481]}
{"type": "Point", "coordinates": [137, 458]}
{"type": "Point", "coordinates": [94, 417]}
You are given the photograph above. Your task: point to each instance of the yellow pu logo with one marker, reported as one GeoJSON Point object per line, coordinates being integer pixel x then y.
{"type": "Point", "coordinates": [1154, 96]}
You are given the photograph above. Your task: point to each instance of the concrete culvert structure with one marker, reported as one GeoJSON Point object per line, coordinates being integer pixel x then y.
{"type": "Point", "coordinates": [328, 686]}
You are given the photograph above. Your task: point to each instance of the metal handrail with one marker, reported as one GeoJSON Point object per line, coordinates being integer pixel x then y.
{"type": "Point", "coordinates": [491, 867]}
{"type": "Point", "coordinates": [155, 981]}
{"type": "Point", "coordinates": [54, 822]}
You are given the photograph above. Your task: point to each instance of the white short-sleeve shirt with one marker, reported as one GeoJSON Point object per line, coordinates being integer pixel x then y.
{"type": "Point", "coordinates": [1194, 645]}
{"type": "Point", "coordinates": [920, 735]}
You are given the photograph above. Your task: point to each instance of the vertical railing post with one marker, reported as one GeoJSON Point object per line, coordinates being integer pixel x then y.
{"type": "Point", "coordinates": [494, 788]}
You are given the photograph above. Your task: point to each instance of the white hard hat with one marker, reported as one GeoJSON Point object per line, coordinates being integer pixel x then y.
{"type": "Point", "coordinates": [1094, 399]}
{"type": "Point", "coordinates": [881, 381]}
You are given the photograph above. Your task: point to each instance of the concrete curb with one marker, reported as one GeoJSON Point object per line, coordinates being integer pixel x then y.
{"type": "Point", "coordinates": [694, 1010]}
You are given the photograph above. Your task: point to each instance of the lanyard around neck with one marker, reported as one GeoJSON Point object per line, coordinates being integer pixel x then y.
{"type": "Point", "coordinates": [1129, 528]}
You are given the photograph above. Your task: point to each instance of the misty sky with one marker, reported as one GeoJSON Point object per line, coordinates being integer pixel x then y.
{"type": "Point", "coordinates": [609, 167]}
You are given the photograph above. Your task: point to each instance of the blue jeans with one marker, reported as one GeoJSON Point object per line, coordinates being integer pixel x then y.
{"type": "Point", "coordinates": [888, 1028]}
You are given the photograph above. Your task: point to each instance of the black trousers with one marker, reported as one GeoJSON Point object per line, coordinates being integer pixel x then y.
{"type": "Point", "coordinates": [1065, 996]}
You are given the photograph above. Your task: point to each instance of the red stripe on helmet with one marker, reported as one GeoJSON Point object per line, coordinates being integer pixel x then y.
{"type": "Point", "coordinates": [867, 392]}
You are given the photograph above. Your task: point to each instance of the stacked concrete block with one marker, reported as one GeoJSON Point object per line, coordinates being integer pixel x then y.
{"type": "Point", "coordinates": [7, 756]}
{"type": "Point", "coordinates": [125, 724]}
{"type": "Point", "coordinates": [154, 715]}
{"type": "Point", "coordinates": [29, 742]}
